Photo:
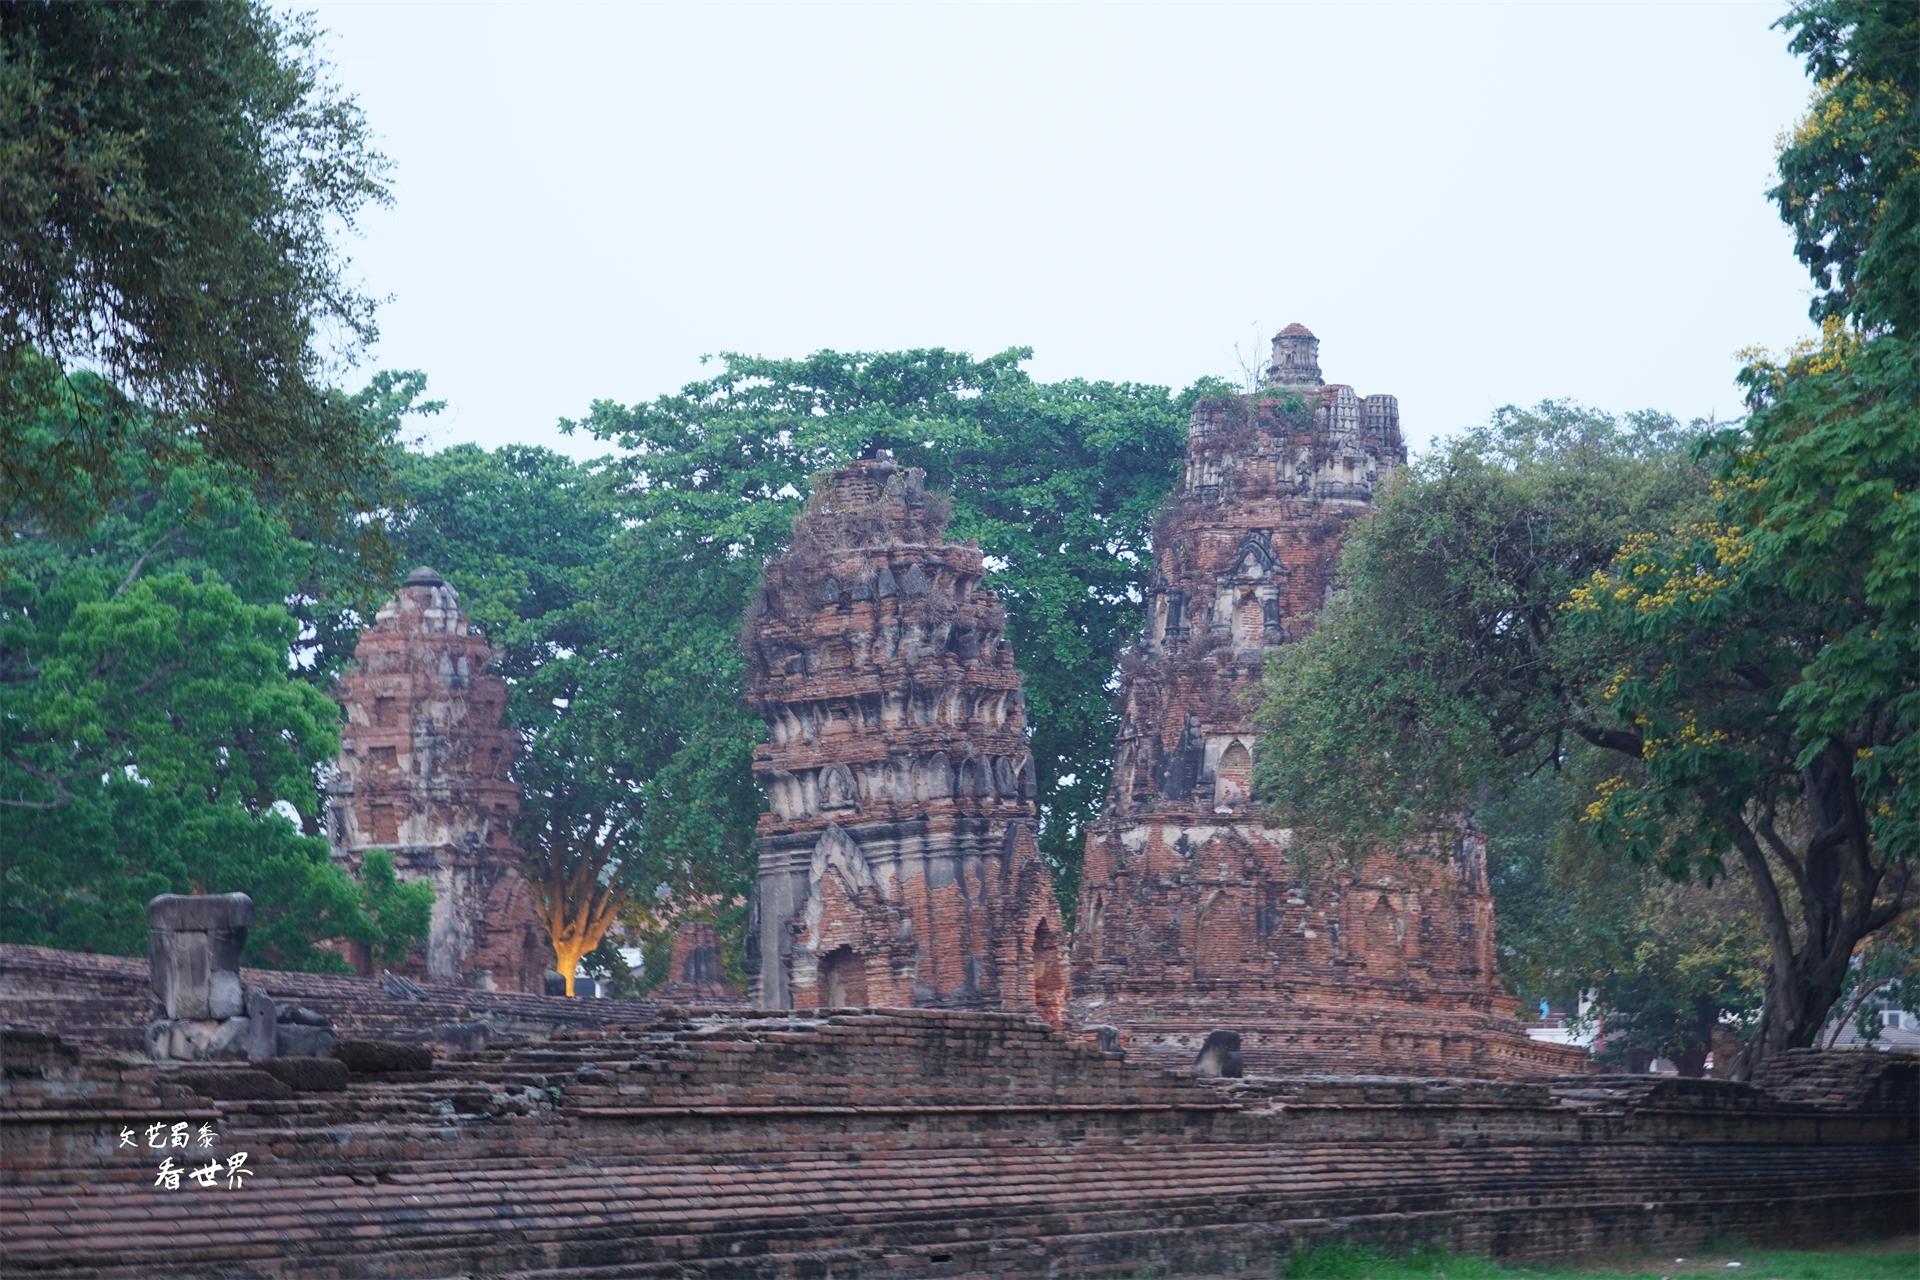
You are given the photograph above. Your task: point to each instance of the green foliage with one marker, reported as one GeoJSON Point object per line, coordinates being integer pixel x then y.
{"type": "Point", "coordinates": [1694, 964]}
{"type": "Point", "coordinates": [514, 530]}
{"type": "Point", "coordinates": [1665, 964]}
{"type": "Point", "coordinates": [1850, 171]}
{"type": "Point", "coordinates": [1436, 676]}
{"type": "Point", "coordinates": [171, 177]}
{"type": "Point", "coordinates": [398, 915]}
{"type": "Point", "coordinates": [154, 735]}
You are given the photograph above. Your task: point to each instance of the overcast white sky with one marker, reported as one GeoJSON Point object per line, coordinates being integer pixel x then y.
{"type": "Point", "coordinates": [1471, 205]}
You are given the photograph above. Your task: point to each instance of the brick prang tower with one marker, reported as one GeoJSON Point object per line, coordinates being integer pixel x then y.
{"type": "Point", "coordinates": [424, 771]}
{"type": "Point", "coordinates": [897, 863]}
{"type": "Point", "coordinates": [1193, 916]}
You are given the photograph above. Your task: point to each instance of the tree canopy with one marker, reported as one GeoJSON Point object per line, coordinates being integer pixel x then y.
{"type": "Point", "coordinates": [173, 179]}
{"type": "Point", "coordinates": [155, 734]}
{"type": "Point", "coordinates": [1850, 169]}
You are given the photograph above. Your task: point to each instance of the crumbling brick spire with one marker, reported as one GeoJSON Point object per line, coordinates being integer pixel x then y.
{"type": "Point", "coordinates": [1296, 358]}
{"type": "Point", "coordinates": [424, 772]}
{"type": "Point", "coordinates": [897, 863]}
{"type": "Point", "coordinates": [1193, 917]}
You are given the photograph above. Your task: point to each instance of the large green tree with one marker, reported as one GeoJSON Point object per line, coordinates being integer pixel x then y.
{"type": "Point", "coordinates": [155, 735]}
{"type": "Point", "coordinates": [173, 180]}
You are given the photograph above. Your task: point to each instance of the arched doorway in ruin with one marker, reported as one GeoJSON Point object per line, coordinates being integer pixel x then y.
{"type": "Point", "coordinates": [843, 979]}
{"type": "Point", "coordinates": [1049, 976]}
{"type": "Point", "coordinates": [1233, 777]}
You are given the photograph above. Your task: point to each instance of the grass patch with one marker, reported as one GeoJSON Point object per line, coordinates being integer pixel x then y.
{"type": "Point", "coordinates": [1889, 1260]}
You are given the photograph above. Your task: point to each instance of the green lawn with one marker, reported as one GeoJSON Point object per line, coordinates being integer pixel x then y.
{"type": "Point", "coordinates": [1886, 1260]}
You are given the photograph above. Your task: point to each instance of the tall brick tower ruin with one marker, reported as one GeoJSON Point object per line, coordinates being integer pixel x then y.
{"type": "Point", "coordinates": [1192, 917]}
{"type": "Point", "coordinates": [423, 771]}
{"type": "Point", "coordinates": [897, 863]}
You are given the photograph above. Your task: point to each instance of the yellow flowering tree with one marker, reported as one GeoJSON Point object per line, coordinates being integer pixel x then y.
{"type": "Point", "coordinates": [1773, 673]}
{"type": "Point", "coordinates": [1746, 655]}
{"type": "Point", "coordinates": [1850, 170]}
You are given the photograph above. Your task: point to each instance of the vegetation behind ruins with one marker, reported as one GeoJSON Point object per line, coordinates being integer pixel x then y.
{"type": "Point", "coordinates": [163, 698]}
{"type": "Point", "coordinates": [1735, 632]}
{"type": "Point", "coordinates": [1632, 647]}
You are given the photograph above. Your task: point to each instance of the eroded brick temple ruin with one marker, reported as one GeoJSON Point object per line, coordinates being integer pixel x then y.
{"type": "Point", "coordinates": [897, 863]}
{"type": "Point", "coordinates": [424, 772]}
{"type": "Point", "coordinates": [1194, 918]}
{"type": "Point", "coordinates": [436, 1129]}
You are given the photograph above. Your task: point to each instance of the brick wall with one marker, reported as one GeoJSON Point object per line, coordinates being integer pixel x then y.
{"type": "Point", "coordinates": [917, 1143]}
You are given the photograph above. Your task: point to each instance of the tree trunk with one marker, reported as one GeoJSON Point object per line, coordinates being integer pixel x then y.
{"type": "Point", "coordinates": [1836, 892]}
{"type": "Point", "coordinates": [567, 956]}
{"type": "Point", "coordinates": [1800, 994]}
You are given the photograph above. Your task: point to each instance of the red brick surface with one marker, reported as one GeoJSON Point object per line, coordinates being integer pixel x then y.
{"type": "Point", "coordinates": [102, 1001]}
{"type": "Point", "coordinates": [918, 1142]}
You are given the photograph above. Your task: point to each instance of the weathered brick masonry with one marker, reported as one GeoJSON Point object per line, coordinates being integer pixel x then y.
{"type": "Point", "coordinates": [424, 771]}
{"type": "Point", "coordinates": [102, 1002]}
{"type": "Point", "coordinates": [906, 1143]}
{"type": "Point", "coordinates": [897, 863]}
{"type": "Point", "coordinates": [694, 976]}
{"type": "Point", "coordinates": [1193, 917]}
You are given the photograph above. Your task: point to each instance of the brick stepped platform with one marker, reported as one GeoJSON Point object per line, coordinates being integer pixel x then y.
{"type": "Point", "coordinates": [1303, 1026]}
{"type": "Point", "coordinates": [915, 1143]}
{"type": "Point", "coordinates": [104, 1000]}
